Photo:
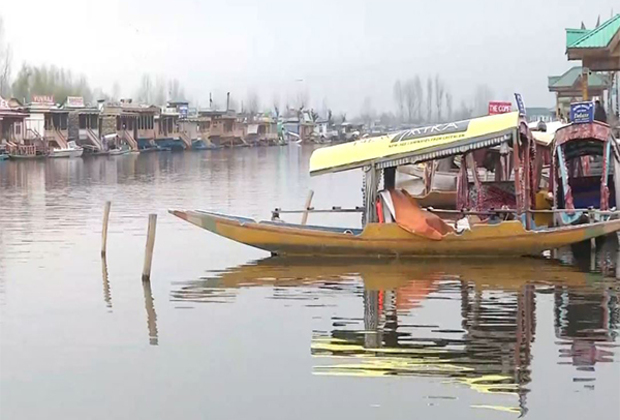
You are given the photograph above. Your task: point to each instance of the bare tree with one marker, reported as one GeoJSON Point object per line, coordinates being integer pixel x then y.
{"type": "Point", "coordinates": [159, 94]}
{"type": "Point", "coordinates": [116, 92]}
{"type": "Point", "coordinates": [440, 91]}
{"type": "Point", "coordinates": [5, 63]}
{"type": "Point", "coordinates": [465, 111]}
{"type": "Point", "coordinates": [482, 96]}
{"type": "Point", "coordinates": [302, 99]}
{"type": "Point", "coordinates": [399, 98]}
{"type": "Point", "coordinates": [429, 99]}
{"type": "Point", "coordinates": [409, 94]}
{"type": "Point", "coordinates": [367, 113]}
{"type": "Point", "coordinates": [449, 105]}
{"type": "Point", "coordinates": [276, 104]}
{"type": "Point", "coordinates": [175, 90]}
{"type": "Point", "coordinates": [418, 95]}
{"type": "Point", "coordinates": [253, 103]}
{"type": "Point", "coordinates": [145, 92]}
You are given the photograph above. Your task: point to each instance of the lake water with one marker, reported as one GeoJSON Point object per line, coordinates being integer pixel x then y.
{"type": "Point", "coordinates": [223, 331]}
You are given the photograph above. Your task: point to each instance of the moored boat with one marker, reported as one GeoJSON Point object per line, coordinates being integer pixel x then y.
{"type": "Point", "coordinates": [71, 151]}
{"type": "Point", "coordinates": [493, 219]}
{"type": "Point", "coordinates": [118, 152]}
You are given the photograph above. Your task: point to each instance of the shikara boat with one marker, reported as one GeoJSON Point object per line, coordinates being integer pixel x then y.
{"type": "Point", "coordinates": [401, 228]}
{"type": "Point", "coordinates": [586, 171]}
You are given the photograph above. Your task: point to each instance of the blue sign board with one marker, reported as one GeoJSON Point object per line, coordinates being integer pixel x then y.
{"type": "Point", "coordinates": [582, 112]}
{"type": "Point", "coordinates": [183, 111]}
{"type": "Point", "coordinates": [520, 104]}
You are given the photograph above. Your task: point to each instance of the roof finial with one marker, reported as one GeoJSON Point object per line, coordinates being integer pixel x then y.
{"type": "Point", "coordinates": [598, 21]}
{"type": "Point", "coordinates": [583, 26]}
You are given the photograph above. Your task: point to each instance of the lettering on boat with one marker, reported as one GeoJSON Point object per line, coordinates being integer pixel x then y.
{"type": "Point", "coordinates": [431, 130]}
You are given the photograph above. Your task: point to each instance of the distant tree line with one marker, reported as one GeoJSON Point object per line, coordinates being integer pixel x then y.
{"type": "Point", "coordinates": [5, 63]}
{"type": "Point", "coordinates": [158, 90]}
{"type": "Point", "coordinates": [416, 105]}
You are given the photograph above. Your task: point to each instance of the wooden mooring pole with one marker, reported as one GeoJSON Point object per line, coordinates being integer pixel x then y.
{"type": "Point", "coordinates": [304, 218]}
{"type": "Point", "coordinates": [150, 245]}
{"type": "Point", "coordinates": [104, 231]}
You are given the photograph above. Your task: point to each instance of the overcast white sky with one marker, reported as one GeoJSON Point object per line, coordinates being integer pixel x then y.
{"type": "Point", "coordinates": [339, 51]}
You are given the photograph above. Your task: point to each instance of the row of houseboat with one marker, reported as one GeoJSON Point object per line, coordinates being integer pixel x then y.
{"type": "Point", "coordinates": [44, 128]}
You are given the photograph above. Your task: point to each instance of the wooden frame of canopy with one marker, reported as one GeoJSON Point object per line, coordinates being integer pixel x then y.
{"type": "Point", "coordinates": [523, 167]}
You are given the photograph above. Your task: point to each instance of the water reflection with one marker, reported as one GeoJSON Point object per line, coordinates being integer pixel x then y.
{"type": "Point", "coordinates": [107, 294]}
{"type": "Point", "coordinates": [151, 316]}
{"type": "Point", "coordinates": [468, 322]}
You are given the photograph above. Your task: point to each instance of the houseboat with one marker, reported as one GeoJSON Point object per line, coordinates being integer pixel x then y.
{"type": "Point", "coordinates": [84, 124]}
{"type": "Point", "coordinates": [12, 128]}
{"type": "Point", "coordinates": [225, 128]}
{"type": "Point", "coordinates": [132, 125]}
{"type": "Point", "coordinates": [167, 131]}
{"type": "Point", "coordinates": [261, 131]}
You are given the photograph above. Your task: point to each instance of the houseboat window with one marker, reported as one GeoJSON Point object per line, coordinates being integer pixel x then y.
{"type": "Point", "coordinates": [82, 121]}
{"type": "Point", "coordinates": [64, 121]}
{"type": "Point", "coordinates": [228, 126]}
{"type": "Point", "coordinates": [94, 121]}
{"type": "Point", "coordinates": [118, 123]}
{"type": "Point", "coordinates": [130, 123]}
{"type": "Point", "coordinates": [48, 122]}
{"type": "Point", "coordinates": [18, 129]}
{"type": "Point", "coordinates": [169, 125]}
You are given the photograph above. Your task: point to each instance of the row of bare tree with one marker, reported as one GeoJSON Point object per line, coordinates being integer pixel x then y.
{"type": "Point", "coordinates": [415, 105]}
{"type": "Point", "coordinates": [5, 63]}
{"type": "Point", "coordinates": [158, 91]}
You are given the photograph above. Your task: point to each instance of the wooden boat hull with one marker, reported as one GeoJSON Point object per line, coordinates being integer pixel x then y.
{"type": "Point", "coordinates": [389, 240]}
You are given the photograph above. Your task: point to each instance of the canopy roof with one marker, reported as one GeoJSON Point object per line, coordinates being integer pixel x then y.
{"type": "Point", "coordinates": [599, 37]}
{"type": "Point", "coordinates": [579, 131]}
{"type": "Point", "coordinates": [545, 138]}
{"type": "Point", "coordinates": [418, 144]}
{"type": "Point", "coordinates": [571, 81]}
{"type": "Point", "coordinates": [598, 48]}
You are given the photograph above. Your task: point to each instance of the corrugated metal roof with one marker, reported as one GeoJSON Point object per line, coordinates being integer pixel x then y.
{"type": "Point", "coordinates": [569, 79]}
{"type": "Point", "coordinates": [573, 35]}
{"type": "Point", "coordinates": [599, 37]}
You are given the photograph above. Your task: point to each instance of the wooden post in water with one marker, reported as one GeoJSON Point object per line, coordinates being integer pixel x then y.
{"type": "Point", "coordinates": [104, 231]}
{"type": "Point", "coordinates": [150, 245]}
{"type": "Point", "coordinates": [304, 218]}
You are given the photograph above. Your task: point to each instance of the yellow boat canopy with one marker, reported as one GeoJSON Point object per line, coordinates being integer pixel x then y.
{"type": "Point", "coordinates": [417, 144]}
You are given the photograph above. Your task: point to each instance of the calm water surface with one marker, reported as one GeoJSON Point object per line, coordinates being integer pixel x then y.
{"type": "Point", "coordinates": [223, 331]}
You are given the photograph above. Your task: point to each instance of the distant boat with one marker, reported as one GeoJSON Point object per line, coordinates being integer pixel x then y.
{"type": "Point", "coordinates": [118, 152]}
{"type": "Point", "coordinates": [72, 150]}
{"type": "Point", "coordinates": [3, 156]}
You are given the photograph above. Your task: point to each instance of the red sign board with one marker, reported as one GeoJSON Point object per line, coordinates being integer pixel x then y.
{"type": "Point", "coordinates": [498, 107]}
{"type": "Point", "coordinates": [75, 102]}
{"type": "Point", "coordinates": [42, 99]}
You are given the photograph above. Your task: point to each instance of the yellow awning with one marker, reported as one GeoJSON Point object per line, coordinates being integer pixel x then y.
{"type": "Point", "coordinates": [416, 144]}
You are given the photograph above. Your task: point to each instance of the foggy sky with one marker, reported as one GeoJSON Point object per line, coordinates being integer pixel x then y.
{"type": "Point", "coordinates": [339, 52]}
